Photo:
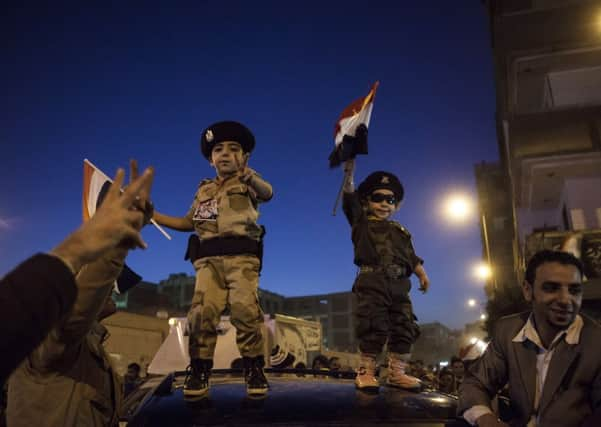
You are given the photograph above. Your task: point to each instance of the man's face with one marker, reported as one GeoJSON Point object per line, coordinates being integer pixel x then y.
{"type": "Point", "coordinates": [556, 295]}
{"type": "Point", "coordinates": [132, 373]}
{"type": "Point", "coordinates": [458, 368]}
{"type": "Point", "coordinates": [382, 203]}
{"type": "Point", "coordinates": [335, 364]}
{"type": "Point", "coordinates": [446, 381]}
{"type": "Point", "coordinates": [227, 157]}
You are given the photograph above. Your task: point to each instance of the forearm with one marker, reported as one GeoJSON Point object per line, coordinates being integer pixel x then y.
{"type": "Point", "coordinates": [95, 283]}
{"type": "Point", "coordinates": [262, 188]}
{"type": "Point", "coordinates": [73, 251]}
{"type": "Point", "coordinates": [420, 271]}
{"type": "Point", "coordinates": [349, 176]}
{"type": "Point", "coordinates": [175, 223]}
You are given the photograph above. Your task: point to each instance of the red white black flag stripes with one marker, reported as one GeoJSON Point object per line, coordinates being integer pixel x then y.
{"type": "Point", "coordinates": [350, 134]}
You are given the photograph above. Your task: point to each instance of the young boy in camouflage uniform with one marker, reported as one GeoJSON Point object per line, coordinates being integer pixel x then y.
{"type": "Point", "coordinates": [224, 215]}
{"type": "Point", "coordinates": [385, 256]}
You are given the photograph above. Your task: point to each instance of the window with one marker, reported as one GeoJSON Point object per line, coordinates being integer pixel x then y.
{"type": "Point", "coordinates": [340, 321]}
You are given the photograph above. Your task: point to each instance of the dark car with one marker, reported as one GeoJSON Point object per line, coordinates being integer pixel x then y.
{"type": "Point", "coordinates": [315, 398]}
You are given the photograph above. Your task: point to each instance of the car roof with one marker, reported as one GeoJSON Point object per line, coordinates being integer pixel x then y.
{"type": "Point", "coordinates": [312, 400]}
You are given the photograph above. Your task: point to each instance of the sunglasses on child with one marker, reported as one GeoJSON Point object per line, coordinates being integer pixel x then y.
{"type": "Point", "coordinates": [379, 198]}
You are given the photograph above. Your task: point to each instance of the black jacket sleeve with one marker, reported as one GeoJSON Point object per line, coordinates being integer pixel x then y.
{"type": "Point", "coordinates": [351, 206]}
{"type": "Point", "coordinates": [33, 297]}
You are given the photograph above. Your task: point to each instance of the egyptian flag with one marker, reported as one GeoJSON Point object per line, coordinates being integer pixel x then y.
{"type": "Point", "coordinates": [350, 133]}
{"type": "Point", "coordinates": [95, 186]}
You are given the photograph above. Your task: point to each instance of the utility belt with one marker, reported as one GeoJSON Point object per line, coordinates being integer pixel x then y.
{"type": "Point", "coordinates": [221, 246]}
{"type": "Point", "coordinates": [393, 271]}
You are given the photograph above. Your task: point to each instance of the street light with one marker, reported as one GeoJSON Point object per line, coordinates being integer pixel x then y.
{"type": "Point", "coordinates": [458, 207]}
{"type": "Point", "coordinates": [483, 316]}
{"type": "Point", "coordinates": [471, 302]}
{"type": "Point", "coordinates": [483, 271]}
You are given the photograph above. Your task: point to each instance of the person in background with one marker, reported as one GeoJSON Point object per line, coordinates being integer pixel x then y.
{"type": "Point", "coordinates": [132, 379]}
{"type": "Point", "coordinates": [446, 381]}
{"type": "Point", "coordinates": [458, 368]}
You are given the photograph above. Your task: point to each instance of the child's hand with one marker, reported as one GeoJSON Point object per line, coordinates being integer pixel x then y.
{"type": "Point", "coordinates": [349, 166]}
{"type": "Point", "coordinates": [244, 172]}
{"type": "Point", "coordinates": [424, 284]}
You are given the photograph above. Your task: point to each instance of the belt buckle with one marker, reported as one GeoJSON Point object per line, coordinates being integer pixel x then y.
{"type": "Point", "coordinates": [366, 269]}
{"type": "Point", "coordinates": [394, 271]}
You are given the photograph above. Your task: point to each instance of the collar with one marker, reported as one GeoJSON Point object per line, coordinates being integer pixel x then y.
{"type": "Point", "coordinates": [571, 334]}
{"type": "Point", "coordinates": [100, 331]}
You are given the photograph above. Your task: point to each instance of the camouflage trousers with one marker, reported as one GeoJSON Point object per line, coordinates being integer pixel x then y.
{"type": "Point", "coordinates": [225, 281]}
{"type": "Point", "coordinates": [384, 314]}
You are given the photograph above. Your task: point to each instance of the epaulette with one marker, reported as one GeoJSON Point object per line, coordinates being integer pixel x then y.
{"type": "Point", "coordinates": [403, 229]}
{"type": "Point", "coordinates": [204, 181]}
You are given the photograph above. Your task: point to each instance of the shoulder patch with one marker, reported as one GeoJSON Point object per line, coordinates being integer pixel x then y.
{"type": "Point", "coordinates": [402, 229]}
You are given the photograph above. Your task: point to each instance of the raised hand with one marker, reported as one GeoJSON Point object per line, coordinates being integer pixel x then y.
{"type": "Point", "coordinates": [116, 223]}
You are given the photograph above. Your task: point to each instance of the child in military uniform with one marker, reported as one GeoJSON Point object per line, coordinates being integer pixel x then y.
{"type": "Point", "coordinates": [386, 259]}
{"type": "Point", "coordinates": [224, 215]}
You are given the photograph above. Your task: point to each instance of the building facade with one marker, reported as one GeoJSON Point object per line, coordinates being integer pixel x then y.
{"type": "Point", "coordinates": [334, 312]}
{"type": "Point", "coordinates": [435, 344]}
{"type": "Point", "coordinates": [172, 297]}
{"type": "Point", "coordinates": [496, 226]}
{"type": "Point", "coordinates": [547, 56]}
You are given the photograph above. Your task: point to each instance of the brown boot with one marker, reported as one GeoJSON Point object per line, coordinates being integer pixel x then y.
{"type": "Point", "coordinates": [366, 373]}
{"type": "Point", "coordinates": [396, 373]}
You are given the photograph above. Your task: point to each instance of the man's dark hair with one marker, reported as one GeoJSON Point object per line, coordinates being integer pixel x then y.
{"type": "Point", "coordinates": [546, 255]}
{"type": "Point", "coordinates": [455, 359]}
{"type": "Point", "coordinates": [321, 359]}
{"type": "Point", "coordinates": [135, 366]}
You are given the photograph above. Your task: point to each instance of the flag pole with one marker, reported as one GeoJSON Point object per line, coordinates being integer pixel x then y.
{"type": "Point", "coordinates": [111, 181]}
{"type": "Point", "coordinates": [344, 179]}
{"type": "Point", "coordinates": [338, 197]}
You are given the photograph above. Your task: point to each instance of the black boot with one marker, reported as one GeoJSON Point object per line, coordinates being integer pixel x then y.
{"type": "Point", "coordinates": [256, 383]}
{"type": "Point", "coordinates": [196, 385]}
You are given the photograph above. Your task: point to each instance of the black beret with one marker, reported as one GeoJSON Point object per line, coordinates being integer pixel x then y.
{"type": "Point", "coordinates": [381, 180]}
{"type": "Point", "coordinates": [226, 131]}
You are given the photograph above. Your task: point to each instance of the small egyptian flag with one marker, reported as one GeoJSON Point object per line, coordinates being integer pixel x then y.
{"type": "Point", "coordinates": [95, 186]}
{"type": "Point", "coordinates": [350, 133]}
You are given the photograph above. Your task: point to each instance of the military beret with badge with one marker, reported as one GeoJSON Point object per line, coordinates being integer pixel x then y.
{"type": "Point", "coordinates": [226, 131]}
{"type": "Point", "coordinates": [381, 180]}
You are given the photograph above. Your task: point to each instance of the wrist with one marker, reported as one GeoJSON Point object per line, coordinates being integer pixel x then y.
{"type": "Point", "coordinates": [71, 252]}
{"type": "Point", "coordinates": [70, 262]}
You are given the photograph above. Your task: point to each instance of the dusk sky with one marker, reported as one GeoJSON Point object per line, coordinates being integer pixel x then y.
{"type": "Point", "coordinates": [110, 83]}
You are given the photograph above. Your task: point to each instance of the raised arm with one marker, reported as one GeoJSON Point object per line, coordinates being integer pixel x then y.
{"type": "Point", "coordinates": [349, 176]}
{"type": "Point", "coordinates": [95, 251]}
{"type": "Point", "coordinates": [176, 223]}
{"type": "Point", "coordinates": [250, 177]}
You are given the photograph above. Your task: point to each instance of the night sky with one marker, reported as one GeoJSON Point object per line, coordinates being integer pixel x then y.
{"type": "Point", "coordinates": [109, 83]}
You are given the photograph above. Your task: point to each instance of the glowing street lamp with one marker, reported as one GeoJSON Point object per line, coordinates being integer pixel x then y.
{"type": "Point", "coordinates": [471, 302]}
{"type": "Point", "coordinates": [458, 207]}
{"type": "Point", "coordinates": [483, 271]}
{"type": "Point", "coordinates": [483, 316]}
